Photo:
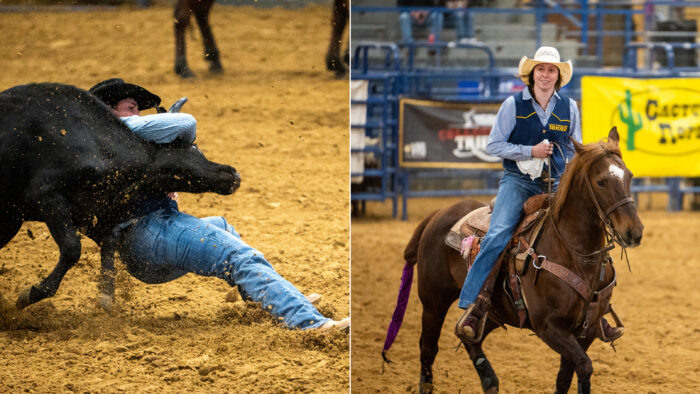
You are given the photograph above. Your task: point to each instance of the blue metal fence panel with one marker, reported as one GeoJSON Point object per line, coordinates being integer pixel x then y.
{"type": "Point", "coordinates": [400, 75]}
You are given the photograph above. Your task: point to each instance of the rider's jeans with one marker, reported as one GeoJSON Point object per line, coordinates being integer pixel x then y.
{"type": "Point", "coordinates": [167, 244]}
{"type": "Point", "coordinates": [513, 191]}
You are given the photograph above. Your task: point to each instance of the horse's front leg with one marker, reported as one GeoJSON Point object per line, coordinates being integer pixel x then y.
{"type": "Point", "coordinates": [566, 367]}
{"type": "Point", "coordinates": [105, 287]}
{"type": "Point", "coordinates": [182, 19]}
{"type": "Point", "coordinates": [338, 21]}
{"type": "Point", "coordinates": [573, 355]}
{"type": "Point", "coordinates": [211, 53]}
{"type": "Point", "coordinates": [565, 375]}
{"type": "Point", "coordinates": [63, 231]}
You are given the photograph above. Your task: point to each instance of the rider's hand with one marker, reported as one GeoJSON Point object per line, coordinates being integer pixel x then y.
{"type": "Point", "coordinates": [419, 16]}
{"type": "Point", "coordinates": [542, 150]}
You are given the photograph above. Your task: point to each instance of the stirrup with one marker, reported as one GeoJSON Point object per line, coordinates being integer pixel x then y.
{"type": "Point", "coordinates": [466, 336]}
{"type": "Point", "coordinates": [618, 325]}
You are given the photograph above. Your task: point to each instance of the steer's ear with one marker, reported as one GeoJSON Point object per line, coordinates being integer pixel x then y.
{"type": "Point", "coordinates": [577, 146]}
{"type": "Point", "coordinates": [613, 136]}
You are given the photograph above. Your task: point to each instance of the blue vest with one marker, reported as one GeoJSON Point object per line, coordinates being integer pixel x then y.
{"type": "Point", "coordinates": [529, 131]}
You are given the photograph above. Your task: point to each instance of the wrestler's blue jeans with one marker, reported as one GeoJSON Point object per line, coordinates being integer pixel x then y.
{"type": "Point", "coordinates": [167, 244]}
{"type": "Point", "coordinates": [513, 191]}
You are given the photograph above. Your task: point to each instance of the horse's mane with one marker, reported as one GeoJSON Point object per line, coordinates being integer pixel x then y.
{"type": "Point", "coordinates": [578, 168]}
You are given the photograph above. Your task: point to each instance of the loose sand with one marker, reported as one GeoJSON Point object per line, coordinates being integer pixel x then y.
{"type": "Point", "coordinates": [277, 116]}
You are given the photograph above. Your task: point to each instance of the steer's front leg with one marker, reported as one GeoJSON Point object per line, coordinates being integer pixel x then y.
{"type": "Point", "coordinates": [105, 286]}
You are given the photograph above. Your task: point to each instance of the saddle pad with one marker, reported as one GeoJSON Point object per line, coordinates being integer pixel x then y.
{"type": "Point", "coordinates": [477, 222]}
{"type": "Point", "coordinates": [454, 238]}
{"type": "Point", "coordinates": [474, 223]}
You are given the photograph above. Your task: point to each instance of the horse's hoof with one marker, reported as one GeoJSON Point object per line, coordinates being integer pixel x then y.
{"type": "Point", "coordinates": [341, 73]}
{"type": "Point", "coordinates": [425, 388]}
{"type": "Point", "coordinates": [184, 72]}
{"type": "Point", "coordinates": [216, 68]}
{"type": "Point", "coordinates": [425, 385]}
{"type": "Point", "coordinates": [492, 390]}
{"type": "Point", "coordinates": [106, 302]}
{"type": "Point", "coordinates": [24, 299]}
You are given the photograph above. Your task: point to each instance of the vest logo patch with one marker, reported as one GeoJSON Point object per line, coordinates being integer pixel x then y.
{"type": "Point", "coordinates": [558, 127]}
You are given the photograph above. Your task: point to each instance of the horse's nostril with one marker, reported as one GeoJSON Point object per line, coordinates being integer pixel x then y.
{"type": "Point", "coordinates": [633, 238]}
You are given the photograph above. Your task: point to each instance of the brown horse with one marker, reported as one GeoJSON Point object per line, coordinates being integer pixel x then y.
{"type": "Point", "coordinates": [591, 208]}
{"type": "Point", "coordinates": [200, 9]}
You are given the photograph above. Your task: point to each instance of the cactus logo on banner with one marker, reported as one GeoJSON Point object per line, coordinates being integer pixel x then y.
{"type": "Point", "coordinates": [658, 121]}
{"type": "Point", "coordinates": [632, 119]}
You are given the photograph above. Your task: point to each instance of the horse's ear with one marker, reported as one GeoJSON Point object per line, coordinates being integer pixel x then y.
{"type": "Point", "coordinates": [613, 136]}
{"type": "Point", "coordinates": [577, 146]}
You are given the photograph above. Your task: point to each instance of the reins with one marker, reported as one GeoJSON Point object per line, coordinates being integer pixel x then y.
{"type": "Point", "coordinates": [611, 236]}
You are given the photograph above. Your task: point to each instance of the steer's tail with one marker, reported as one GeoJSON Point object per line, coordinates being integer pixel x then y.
{"type": "Point", "coordinates": [411, 257]}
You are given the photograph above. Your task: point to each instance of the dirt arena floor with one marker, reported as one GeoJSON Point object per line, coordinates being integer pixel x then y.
{"type": "Point", "coordinates": [659, 353]}
{"type": "Point", "coordinates": [277, 116]}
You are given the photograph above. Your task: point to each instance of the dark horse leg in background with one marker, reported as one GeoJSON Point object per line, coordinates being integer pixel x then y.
{"type": "Point", "coordinates": [341, 14]}
{"type": "Point", "coordinates": [183, 10]}
{"type": "Point", "coordinates": [64, 233]}
{"type": "Point", "coordinates": [211, 53]}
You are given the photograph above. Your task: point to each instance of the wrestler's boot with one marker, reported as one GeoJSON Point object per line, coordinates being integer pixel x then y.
{"type": "Point", "coordinates": [470, 326]}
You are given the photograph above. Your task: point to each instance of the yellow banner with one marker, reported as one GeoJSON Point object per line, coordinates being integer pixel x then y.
{"type": "Point", "coordinates": [658, 121]}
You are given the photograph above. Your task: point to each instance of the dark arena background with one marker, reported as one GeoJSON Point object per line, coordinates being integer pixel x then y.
{"type": "Point", "coordinates": [280, 118]}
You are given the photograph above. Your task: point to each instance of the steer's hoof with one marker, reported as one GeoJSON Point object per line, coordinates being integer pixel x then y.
{"type": "Point", "coordinates": [106, 302]}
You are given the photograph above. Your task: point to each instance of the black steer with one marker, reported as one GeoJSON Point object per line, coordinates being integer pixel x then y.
{"type": "Point", "coordinates": [68, 161]}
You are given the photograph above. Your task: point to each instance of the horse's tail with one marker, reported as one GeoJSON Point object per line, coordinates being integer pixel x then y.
{"type": "Point", "coordinates": [411, 256]}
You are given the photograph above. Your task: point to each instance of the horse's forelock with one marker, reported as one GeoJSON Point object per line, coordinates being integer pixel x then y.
{"type": "Point", "coordinates": [575, 172]}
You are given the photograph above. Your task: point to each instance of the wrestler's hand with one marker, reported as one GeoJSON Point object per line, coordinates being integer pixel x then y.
{"type": "Point", "coordinates": [542, 150]}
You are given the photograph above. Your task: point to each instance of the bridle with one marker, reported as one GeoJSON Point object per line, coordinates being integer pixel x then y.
{"type": "Point", "coordinates": [611, 234]}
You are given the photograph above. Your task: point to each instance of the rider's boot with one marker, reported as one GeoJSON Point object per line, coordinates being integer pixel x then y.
{"type": "Point", "coordinates": [608, 333]}
{"type": "Point", "coordinates": [470, 326]}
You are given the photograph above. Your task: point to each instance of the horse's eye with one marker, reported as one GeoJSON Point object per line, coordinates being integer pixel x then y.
{"type": "Point", "coordinates": [602, 182]}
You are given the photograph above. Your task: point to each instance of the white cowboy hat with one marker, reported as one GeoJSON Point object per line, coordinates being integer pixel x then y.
{"type": "Point", "coordinates": [546, 55]}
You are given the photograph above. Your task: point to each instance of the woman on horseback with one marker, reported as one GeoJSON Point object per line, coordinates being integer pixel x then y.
{"type": "Point", "coordinates": [532, 133]}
